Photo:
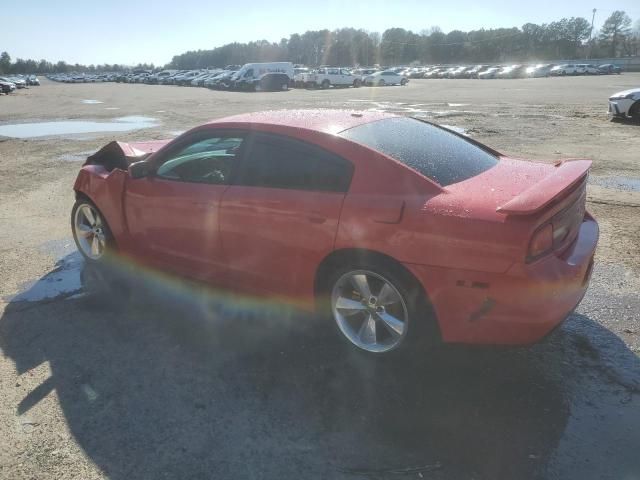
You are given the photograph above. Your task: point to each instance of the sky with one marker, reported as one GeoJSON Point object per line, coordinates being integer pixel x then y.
{"type": "Point", "coordinates": [133, 31]}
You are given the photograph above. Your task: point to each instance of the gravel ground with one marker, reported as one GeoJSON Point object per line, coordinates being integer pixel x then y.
{"type": "Point", "coordinates": [198, 390]}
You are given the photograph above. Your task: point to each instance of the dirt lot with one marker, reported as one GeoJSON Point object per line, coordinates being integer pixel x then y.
{"type": "Point", "coordinates": [151, 393]}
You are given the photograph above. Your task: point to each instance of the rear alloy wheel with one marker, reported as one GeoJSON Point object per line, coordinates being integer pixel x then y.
{"type": "Point", "coordinates": [370, 310]}
{"type": "Point", "coordinates": [90, 231]}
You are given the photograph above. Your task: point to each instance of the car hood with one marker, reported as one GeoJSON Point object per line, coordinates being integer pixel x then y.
{"type": "Point", "coordinates": [624, 93]}
{"type": "Point", "coordinates": [121, 155]}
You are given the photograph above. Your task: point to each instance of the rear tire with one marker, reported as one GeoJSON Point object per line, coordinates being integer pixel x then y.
{"type": "Point", "coordinates": [396, 317]}
{"type": "Point", "coordinates": [325, 84]}
{"type": "Point", "coordinates": [357, 83]}
{"type": "Point", "coordinates": [381, 83]}
{"type": "Point", "coordinates": [403, 82]}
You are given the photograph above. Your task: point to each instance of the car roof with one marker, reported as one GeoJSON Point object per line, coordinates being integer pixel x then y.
{"type": "Point", "coordinates": [324, 120]}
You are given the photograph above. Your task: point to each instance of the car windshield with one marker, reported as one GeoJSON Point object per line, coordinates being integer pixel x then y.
{"type": "Point", "coordinates": [436, 153]}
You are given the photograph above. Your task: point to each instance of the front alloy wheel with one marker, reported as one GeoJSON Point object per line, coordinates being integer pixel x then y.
{"type": "Point", "coordinates": [89, 231]}
{"type": "Point", "coordinates": [370, 311]}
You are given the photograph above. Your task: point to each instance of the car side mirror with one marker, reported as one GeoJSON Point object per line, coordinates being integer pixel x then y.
{"type": "Point", "coordinates": [140, 169]}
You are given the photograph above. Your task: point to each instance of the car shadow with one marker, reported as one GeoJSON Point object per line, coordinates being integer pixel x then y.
{"type": "Point", "coordinates": [182, 383]}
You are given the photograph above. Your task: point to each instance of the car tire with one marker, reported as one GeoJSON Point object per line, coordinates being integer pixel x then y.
{"type": "Point", "coordinates": [403, 82]}
{"type": "Point", "coordinates": [381, 82]}
{"type": "Point", "coordinates": [634, 111]}
{"type": "Point", "coordinates": [325, 84]}
{"type": "Point", "coordinates": [406, 320]}
{"type": "Point", "coordinates": [91, 232]}
{"type": "Point", "coordinates": [357, 83]}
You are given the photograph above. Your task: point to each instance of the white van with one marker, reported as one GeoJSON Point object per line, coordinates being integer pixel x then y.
{"type": "Point", "coordinates": [264, 76]}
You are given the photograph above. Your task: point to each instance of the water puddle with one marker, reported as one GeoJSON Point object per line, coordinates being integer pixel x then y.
{"type": "Point", "coordinates": [91, 102]}
{"type": "Point", "coordinates": [628, 184]}
{"type": "Point", "coordinates": [62, 281]}
{"type": "Point", "coordinates": [71, 127]}
{"type": "Point", "coordinates": [75, 157]}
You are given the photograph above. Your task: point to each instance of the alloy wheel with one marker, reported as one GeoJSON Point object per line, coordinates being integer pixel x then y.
{"type": "Point", "coordinates": [89, 231]}
{"type": "Point", "coordinates": [369, 311]}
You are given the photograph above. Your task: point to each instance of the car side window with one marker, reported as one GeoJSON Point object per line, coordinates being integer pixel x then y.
{"type": "Point", "coordinates": [209, 160]}
{"type": "Point", "coordinates": [280, 162]}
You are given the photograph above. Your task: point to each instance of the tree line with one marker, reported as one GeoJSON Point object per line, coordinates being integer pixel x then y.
{"type": "Point", "coordinates": [565, 38]}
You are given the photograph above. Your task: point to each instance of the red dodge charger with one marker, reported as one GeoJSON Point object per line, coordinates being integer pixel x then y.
{"type": "Point", "coordinates": [406, 232]}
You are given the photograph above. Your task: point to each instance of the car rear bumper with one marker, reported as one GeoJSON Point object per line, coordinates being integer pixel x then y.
{"type": "Point", "coordinates": [518, 307]}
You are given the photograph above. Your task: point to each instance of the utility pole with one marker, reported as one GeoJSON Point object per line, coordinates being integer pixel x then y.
{"type": "Point", "coordinates": [593, 16]}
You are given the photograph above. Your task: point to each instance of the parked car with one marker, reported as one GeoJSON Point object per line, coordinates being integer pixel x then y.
{"type": "Point", "coordinates": [459, 72]}
{"type": "Point", "coordinates": [380, 79]}
{"type": "Point", "coordinates": [609, 68]}
{"type": "Point", "coordinates": [474, 71]}
{"type": "Point", "coordinates": [157, 78]}
{"type": "Point", "coordinates": [337, 211]}
{"type": "Point", "coordinates": [434, 72]}
{"type": "Point", "coordinates": [566, 69]}
{"type": "Point", "coordinates": [587, 69]}
{"type": "Point", "coordinates": [331, 77]}
{"type": "Point", "coordinates": [512, 71]}
{"type": "Point", "coordinates": [18, 81]}
{"type": "Point", "coordinates": [625, 104]}
{"type": "Point", "coordinates": [490, 72]}
{"type": "Point", "coordinates": [32, 80]}
{"type": "Point", "coordinates": [6, 86]}
{"type": "Point", "coordinates": [539, 70]}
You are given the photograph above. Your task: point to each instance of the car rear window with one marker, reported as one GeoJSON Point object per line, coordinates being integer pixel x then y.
{"type": "Point", "coordinates": [442, 156]}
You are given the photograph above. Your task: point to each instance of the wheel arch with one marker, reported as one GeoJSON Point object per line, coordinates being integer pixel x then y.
{"type": "Point", "coordinates": [345, 256]}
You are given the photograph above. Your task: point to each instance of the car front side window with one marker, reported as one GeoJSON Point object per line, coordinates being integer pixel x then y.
{"type": "Point", "coordinates": [210, 160]}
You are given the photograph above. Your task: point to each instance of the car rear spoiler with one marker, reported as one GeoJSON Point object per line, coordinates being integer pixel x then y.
{"type": "Point", "coordinates": [535, 198]}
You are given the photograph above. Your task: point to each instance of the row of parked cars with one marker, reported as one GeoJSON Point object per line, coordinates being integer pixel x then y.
{"type": "Point", "coordinates": [10, 83]}
{"type": "Point", "coordinates": [510, 71]}
{"type": "Point", "coordinates": [283, 75]}
{"type": "Point", "coordinates": [251, 77]}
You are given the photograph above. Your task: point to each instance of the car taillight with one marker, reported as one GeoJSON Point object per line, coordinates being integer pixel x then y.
{"type": "Point", "coordinates": [541, 242]}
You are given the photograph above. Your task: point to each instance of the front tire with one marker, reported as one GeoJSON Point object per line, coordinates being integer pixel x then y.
{"type": "Point", "coordinates": [90, 231]}
{"type": "Point", "coordinates": [379, 308]}
{"type": "Point", "coordinates": [634, 112]}
{"type": "Point", "coordinates": [325, 84]}
{"type": "Point", "coordinates": [381, 83]}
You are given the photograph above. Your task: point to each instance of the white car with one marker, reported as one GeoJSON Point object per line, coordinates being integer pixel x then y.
{"type": "Point", "coordinates": [566, 69]}
{"type": "Point", "coordinates": [387, 77]}
{"type": "Point", "coordinates": [587, 69]}
{"type": "Point", "coordinates": [625, 104]}
{"type": "Point", "coordinates": [331, 76]}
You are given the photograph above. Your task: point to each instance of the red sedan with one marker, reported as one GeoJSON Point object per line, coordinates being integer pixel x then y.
{"type": "Point", "coordinates": [405, 231]}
